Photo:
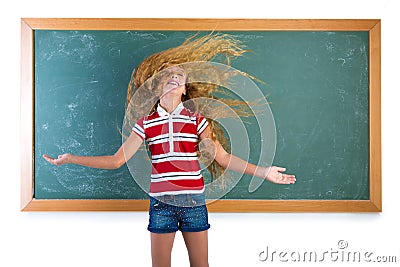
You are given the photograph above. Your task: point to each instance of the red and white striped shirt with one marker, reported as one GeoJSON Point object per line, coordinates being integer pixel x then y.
{"type": "Point", "coordinates": [172, 140]}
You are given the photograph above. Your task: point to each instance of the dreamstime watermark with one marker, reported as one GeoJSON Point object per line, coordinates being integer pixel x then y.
{"type": "Point", "coordinates": [340, 253]}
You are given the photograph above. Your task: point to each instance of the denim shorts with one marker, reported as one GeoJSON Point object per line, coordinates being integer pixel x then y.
{"type": "Point", "coordinates": [167, 215]}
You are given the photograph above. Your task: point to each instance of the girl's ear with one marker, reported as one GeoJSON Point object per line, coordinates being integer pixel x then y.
{"type": "Point", "coordinates": [185, 95]}
{"type": "Point", "coordinates": [186, 88]}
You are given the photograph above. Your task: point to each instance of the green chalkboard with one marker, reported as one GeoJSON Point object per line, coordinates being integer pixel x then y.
{"type": "Point", "coordinates": [316, 84]}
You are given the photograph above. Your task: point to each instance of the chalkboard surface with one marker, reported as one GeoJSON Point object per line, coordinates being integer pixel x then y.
{"type": "Point", "coordinates": [316, 83]}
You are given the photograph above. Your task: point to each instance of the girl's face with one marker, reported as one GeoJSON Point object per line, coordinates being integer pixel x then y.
{"type": "Point", "coordinates": [174, 81]}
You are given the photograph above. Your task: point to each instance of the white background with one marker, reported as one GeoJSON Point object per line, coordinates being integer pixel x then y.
{"type": "Point", "coordinates": [121, 239]}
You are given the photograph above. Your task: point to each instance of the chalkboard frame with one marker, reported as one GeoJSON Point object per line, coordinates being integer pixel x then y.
{"type": "Point", "coordinates": [29, 25]}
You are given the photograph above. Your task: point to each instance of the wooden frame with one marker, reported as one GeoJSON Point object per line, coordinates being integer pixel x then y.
{"type": "Point", "coordinates": [29, 25]}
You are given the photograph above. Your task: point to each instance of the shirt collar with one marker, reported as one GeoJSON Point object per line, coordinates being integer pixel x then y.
{"type": "Point", "coordinates": [162, 112]}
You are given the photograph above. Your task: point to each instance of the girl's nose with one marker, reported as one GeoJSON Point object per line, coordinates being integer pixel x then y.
{"type": "Point", "coordinates": [174, 76]}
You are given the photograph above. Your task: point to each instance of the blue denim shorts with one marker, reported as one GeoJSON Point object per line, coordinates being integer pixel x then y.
{"type": "Point", "coordinates": [167, 215]}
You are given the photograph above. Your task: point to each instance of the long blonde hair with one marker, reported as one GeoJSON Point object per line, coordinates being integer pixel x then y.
{"type": "Point", "coordinates": [222, 48]}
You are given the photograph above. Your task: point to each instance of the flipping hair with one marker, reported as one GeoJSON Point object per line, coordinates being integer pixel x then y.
{"type": "Point", "coordinates": [221, 48]}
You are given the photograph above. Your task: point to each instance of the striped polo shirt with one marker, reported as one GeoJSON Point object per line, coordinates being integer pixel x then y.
{"type": "Point", "coordinates": [172, 140]}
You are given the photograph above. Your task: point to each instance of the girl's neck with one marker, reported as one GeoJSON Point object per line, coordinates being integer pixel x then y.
{"type": "Point", "coordinates": [169, 104]}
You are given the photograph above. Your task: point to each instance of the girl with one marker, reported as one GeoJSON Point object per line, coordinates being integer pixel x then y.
{"type": "Point", "coordinates": [177, 199]}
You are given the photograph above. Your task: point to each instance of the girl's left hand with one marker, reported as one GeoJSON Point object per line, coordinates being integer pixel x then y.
{"type": "Point", "coordinates": [275, 175]}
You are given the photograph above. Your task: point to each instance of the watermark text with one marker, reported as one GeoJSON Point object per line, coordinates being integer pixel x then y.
{"type": "Point", "coordinates": [340, 253]}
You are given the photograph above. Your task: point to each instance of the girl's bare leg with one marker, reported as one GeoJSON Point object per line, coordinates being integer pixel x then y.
{"type": "Point", "coordinates": [197, 246]}
{"type": "Point", "coordinates": [161, 248]}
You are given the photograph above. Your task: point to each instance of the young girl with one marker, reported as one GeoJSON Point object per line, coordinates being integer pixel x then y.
{"type": "Point", "coordinates": [177, 199]}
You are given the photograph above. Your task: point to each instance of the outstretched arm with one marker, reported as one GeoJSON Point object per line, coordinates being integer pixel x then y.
{"type": "Point", "coordinates": [231, 162]}
{"type": "Point", "coordinates": [124, 153]}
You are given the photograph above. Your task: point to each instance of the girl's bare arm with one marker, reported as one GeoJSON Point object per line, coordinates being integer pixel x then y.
{"type": "Point", "coordinates": [231, 162]}
{"type": "Point", "coordinates": [124, 153]}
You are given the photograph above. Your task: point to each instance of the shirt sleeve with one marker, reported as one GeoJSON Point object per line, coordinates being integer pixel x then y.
{"type": "Point", "coordinates": [139, 129]}
{"type": "Point", "coordinates": [202, 124]}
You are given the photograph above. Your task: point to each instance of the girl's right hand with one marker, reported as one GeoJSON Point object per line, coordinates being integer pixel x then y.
{"type": "Point", "coordinates": [62, 159]}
